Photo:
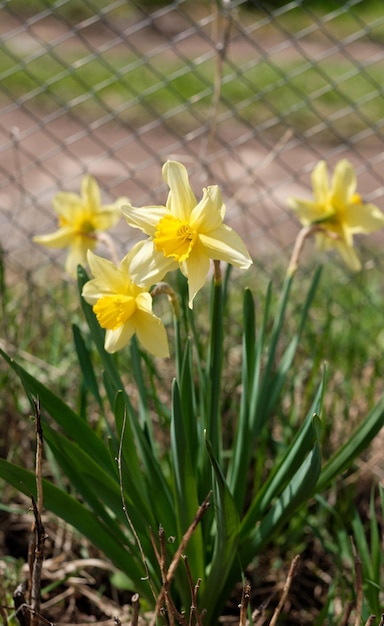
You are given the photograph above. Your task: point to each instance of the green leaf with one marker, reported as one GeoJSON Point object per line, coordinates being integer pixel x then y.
{"type": "Point", "coordinates": [72, 424]}
{"type": "Point", "coordinates": [99, 489]}
{"type": "Point", "coordinates": [73, 512]}
{"type": "Point", "coordinates": [186, 497]}
{"type": "Point", "coordinates": [357, 442]}
{"type": "Point", "coordinates": [86, 365]}
{"type": "Point", "coordinates": [226, 538]}
{"type": "Point", "coordinates": [282, 473]}
{"type": "Point", "coordinates": [299, 490]}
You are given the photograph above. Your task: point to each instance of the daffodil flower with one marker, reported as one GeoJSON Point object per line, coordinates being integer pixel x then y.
{"type": "Point", "coordinates": [337, 211]}
{"type": "Point", "coordinates": [122, 307]}
{"type": "Point", "coordinates": [81, 219]}
{"type": "Point", "coordinates": [184, 234]}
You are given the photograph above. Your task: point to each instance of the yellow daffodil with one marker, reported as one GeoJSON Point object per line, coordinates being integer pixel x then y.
{"type": "Point", "coordinates": [81, 219]}
{"type": "Point", "coordinates": [184, 233]}
{"type": "Point", "coordinates": [123, 308]}
{"type": "Point", "coordinates": [337, 211]}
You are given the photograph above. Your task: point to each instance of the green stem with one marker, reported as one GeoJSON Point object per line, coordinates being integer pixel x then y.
{"type": "Point", "coordinates": [213, 424]}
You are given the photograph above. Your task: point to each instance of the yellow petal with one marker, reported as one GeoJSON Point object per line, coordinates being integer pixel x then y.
{"type": "Point", "coordinates": [117, 339]}
{"type": "Point", "coordinates": [363, 218]}
{"type": "Point", "coordinates": [90, 193]}
{"type": "Point", "coordinates": [68, 205]}
{"type": "Point", "coordinates": [196, 268]}
{"type": "Point", "coordinates": [151, 333]}
{"type": "Point", "coordinates": [145, 218]}
{"type": "Point", "coordinates": [181, 199]}
{"type": "Point", "coordinates": [308, 212]}
{"type": "Point", "coordinates": [209, 213]}
{"type": "Point", "coordinates": [149, 266]}
{"type": "Point", "coordinates": [110, 279]}
{"type": "Point", "coordinates": [61, 238]}
{"type": "Point", "coordinates": [320, 183]}
{"type": "Point", "coordinates": [224, 244]}
{"type": "Point", "coordinates": [343, 183]}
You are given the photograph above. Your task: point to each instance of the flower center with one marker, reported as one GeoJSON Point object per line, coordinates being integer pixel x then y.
{"type": "Point", "coordinates": [113, 311]}
{"type": "Point", "coordinates": [87, 227]}
{"type": "Point", "coordinates": [174, 237]}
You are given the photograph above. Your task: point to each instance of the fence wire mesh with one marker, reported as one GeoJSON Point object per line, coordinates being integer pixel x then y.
{"type": "Point", "coordinates": [246, 94]}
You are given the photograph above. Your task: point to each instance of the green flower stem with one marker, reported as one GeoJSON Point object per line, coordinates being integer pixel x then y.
{"type": "Point", "coordinates": [213, 423]}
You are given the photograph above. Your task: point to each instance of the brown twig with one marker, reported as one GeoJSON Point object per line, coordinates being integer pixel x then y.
{"type": "Point", "coordinates": [36, 546]}
{"type": "Point", "coordinates": [194, 588]}
{"type": "Point", "coordinates": [21, 608]}
{"type": "Point", "coordinates": [135, 601]}
{"type": "Point", "coordinates": [304, 233]}
{"type": "Point", "coordinates": [370, 620]}
{"type": "Point", "coordinates": [244, 604]}
{"type": "Point", "coordinates": [286, 589]}
{"type": "Point", "coordinates": [179, 553]}
{"type": "Point", "coordinates": [346, 614]}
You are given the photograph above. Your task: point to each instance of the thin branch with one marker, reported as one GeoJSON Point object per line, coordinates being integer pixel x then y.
{"type": "Point", "coordinates": [36, 545]}
{"type": "Point", "coordinates": [135, 601]}
{"type": "Point", "coordinates": [179, 553]}
{"type": "Point", "coordinates": [286, 589]}
{"type": "Point", "coordinates": [244, 603]}
{"type": "Point", "coordinates": [346, 614]}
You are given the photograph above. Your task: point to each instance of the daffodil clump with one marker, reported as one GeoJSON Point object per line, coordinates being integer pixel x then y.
{"type": "Point", "coordinates": [184, 234]}
{"type": "Point", "coordinates": [158, 465]}
{"type": "Point", "coordinates": [187, 234]}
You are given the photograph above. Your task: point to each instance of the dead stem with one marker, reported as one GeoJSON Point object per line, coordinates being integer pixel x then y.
{"type": "Point", "coordinates": [178, 555]}
{"type": "Point", "coordinates": [244, 603]}
{"type": "Point", "coordinates": [304, 234]}
{"type": "Point", "coordinates": [346, 614]}
{"type": "Point", "coordinates": [36, 546]}
{"type": "Point", "coordinates": [286, 589]}
{"type": "Point", "coordinates": [135, 601]}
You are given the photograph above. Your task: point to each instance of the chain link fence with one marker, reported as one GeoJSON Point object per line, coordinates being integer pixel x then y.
{"type": "Point", "coordinates": [246, 94]}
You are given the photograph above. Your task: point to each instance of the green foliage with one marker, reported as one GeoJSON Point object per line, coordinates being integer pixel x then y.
{"type": "Point", "coordinates": [161, 481]}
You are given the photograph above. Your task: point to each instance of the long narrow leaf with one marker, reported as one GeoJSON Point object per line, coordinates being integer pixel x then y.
{"type": "Point", "coordinates": [298, 491]}
{"type": "Point", "coordinates": [71, 423]}
{"type": "Point", "coordinates": [357, 442]}
{"type": "Point", "coordinates": [226, 538]}
{"type": "Point", "coordinates": [86, 365]}
{"type": "Point", "coordinates": [73, 512]}
{"type": "Point", "coordinates": [186, 495]}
